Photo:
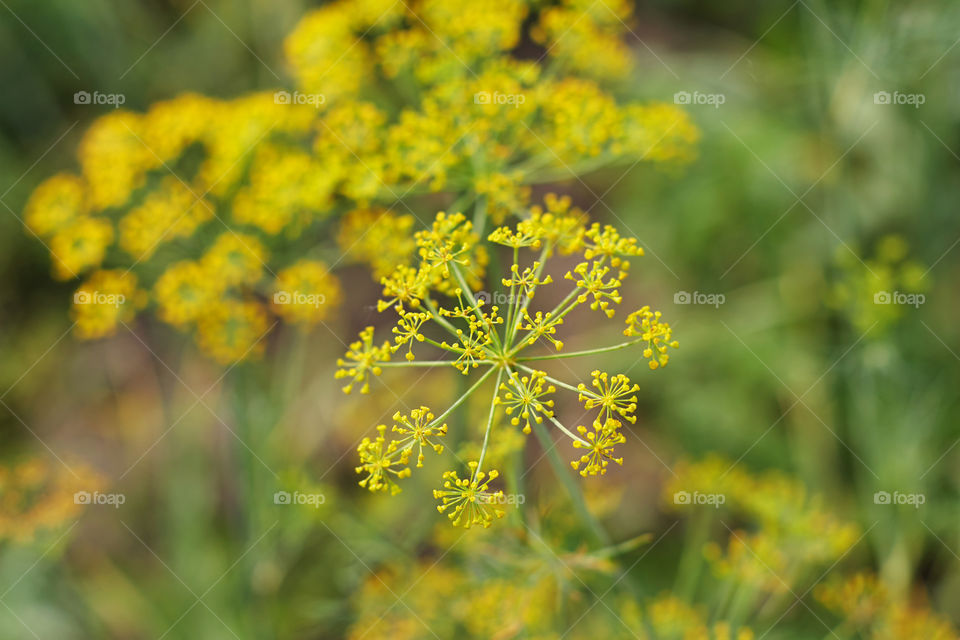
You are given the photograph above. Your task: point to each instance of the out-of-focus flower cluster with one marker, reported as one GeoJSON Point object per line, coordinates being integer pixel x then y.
{"type": "Point", "coordinates": [788, 533]}
{"type": "Point", "coordinates": [876, 291]}
{"type": "Point", "coordinates": [38, 495]}
{"type": "Point", "coordinates": [213, 212]}
{"type": "Point", "coordinates": [528, 595]}
{"type": "Point", "coordinates": [869, 609]}
{"type": "Point", "coordinates": [437, 297]}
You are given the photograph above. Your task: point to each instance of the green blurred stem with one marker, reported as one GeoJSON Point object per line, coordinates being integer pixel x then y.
{"type": "Point", "coordinates": [570, 484]}
{"type": "Point", "coordinates": [691, 562]}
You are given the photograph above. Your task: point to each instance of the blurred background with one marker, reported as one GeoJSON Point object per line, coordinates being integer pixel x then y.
{"type": "Point", "coordinates": [828, 173]}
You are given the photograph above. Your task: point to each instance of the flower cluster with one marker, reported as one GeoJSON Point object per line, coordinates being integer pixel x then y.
{"type": "Point", "coordinates": [867, 605]}
{"type": "Point", "coordinates": [791, 531]}
{"type": "Point", "coordinates": [437, 298]}
{"type": "Point", "coordinates": [204, 208]}
{"type": "Point", "coordinates": [37, 495]}
{"type": "Point", "coordinates": [875, 292]}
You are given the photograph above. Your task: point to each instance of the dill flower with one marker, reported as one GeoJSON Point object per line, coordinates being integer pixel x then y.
{"type": "Point", "coordinates": [658, 335]}
{"type": "Point", "coordinates": [185, 291]}
{"type": "Point", "coordinates": [863, 600]}
{"type": "Point", "coordinates": [232, 330]}
{"type": "Point", "coordinates": [524, 395]}
{"type": "Point", "coordinates": [333, 157]}
{"type": "Point", "coordinates": [382, 462]}
{"type": "Point", "coordinates": [38, 494]}
{"type": "Point", "coordinates": [599, 444]}
{"type": "Point", "coordinates": [236, 258]}
{"type": "Point", "coordinates": [80, 246]}
{"type": "Point", "coordinates": [363, 359]}
{"type": "Point", "coordinates": [305, 292]}
{"type": "Point", "coordinates": [417, 430]}
{"type": "Point", "coordinates": [104, 300]}
{"type": "Point", "coordinates": [469, 500]}
{"type": "Point", "coordinates": [439, 308]}
{"type": "Point", "coordinates": [56, 203]}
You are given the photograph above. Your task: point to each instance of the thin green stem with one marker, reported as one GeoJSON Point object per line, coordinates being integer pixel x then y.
{"type": "Point", "coordinates": [473, 302]}
{"type": "Point", "coordinates": [463, 397]}
{"type": "Point", "coordinates": [427, 363]}
{"type": "Point", "coordinates": [559, 383]}
{"type": "Point", "coordinates": [587, 352]}
{"type": "Point", "coordinates": [493, 410]}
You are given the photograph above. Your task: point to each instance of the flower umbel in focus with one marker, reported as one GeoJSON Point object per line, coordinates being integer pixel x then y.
{"type": "Point", "coordinates": [437, 298]}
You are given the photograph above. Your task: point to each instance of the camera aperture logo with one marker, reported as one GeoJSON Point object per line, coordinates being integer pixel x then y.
{"type": "Point", "coordinates": [899, 297]}
{"type": "Point", "coordinates": [297, 497]}
{"type": "Point", "coordinates": [98, 297]}
{"type": "Point", "coordinates": [315, 100]}
{"type": "Point", "coordinates": [87, 497]}
{"type": "Point", "coordinates": [897, 498]}
{"type": "Point", "coordinates": [299, 298]}
{"type": "Point", "coordinates": [711, 99]}
{"type": "Point", "coordinates": [895, 97]}
{"type": "Point", "coordinates": [112, 99]}
{"type": "Point", "coordinates": [711, 499]}
{"type": "Point", "coordinates": [712, 299]}
{"type": "Point", "coordinates": [486, 97]}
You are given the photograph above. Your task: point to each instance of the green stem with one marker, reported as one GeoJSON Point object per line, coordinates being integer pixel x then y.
{"type": "Point", "coordinates": [587, 352]}
{"type": "Point", "coordinates": [559, 383]}
{"type": "Point", "coordinates": [463, 397]}
{"type": "Point", "coordinates": [426, 363]}
{"type": "Point", "coordinates": [493, 410]}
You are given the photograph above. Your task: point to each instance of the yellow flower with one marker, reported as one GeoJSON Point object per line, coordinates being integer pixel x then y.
{"type": "Point", "coordinates": [599, 444]}
{"type": "Point", "coordinates": [383, 462]}
{"type": "Point", "coordinates": [305, 292]}
{"type": "Point", "coordinates": [361, 360]}
{"type": "Point", "coordinates": [185, 291]}
{"type": "Point", "coordinates": [613, 395]}
{"type": "Point", "coordinates": [80, 246]}
{"type": "Point", "coordinates": [171, 212]}
{"type": "Point", "coordinates": [524, 395]}
{"type": "Point", "coordinates": [418, 430]}
{"type": "Point", "coordinates": [232, 330]}
{"type": "Point", "coordinates": [235, 258]}
{"type": "Point", "coordinates": [469, 499]}
{"type": "Point", "coordinates": [381, 238]}
{"type": "Point", "coordinates": [38, 494]}
{"type": "Point", "coordinates": [106, 299]}
{"type": "Point", "coordinates": [658, 335]}
{"type": "Point", "coordinates": [56, 203]}
{"type": "Point", "coordinates": [115, 159]}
